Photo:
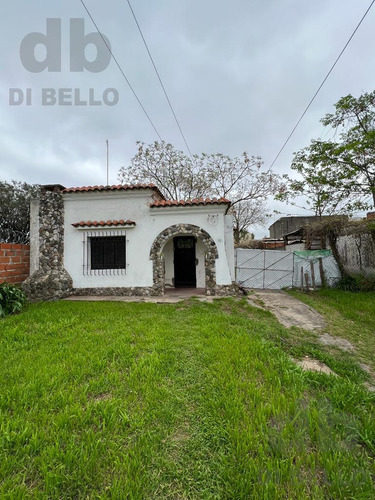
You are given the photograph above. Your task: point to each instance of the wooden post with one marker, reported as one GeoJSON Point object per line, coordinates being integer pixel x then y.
{"type": "Point", "coordinates": [307, 281]}
{"type": "Point", "coordinates": [321, 272]}
{"type": "Point", "coordinates": [312, 273]}
{"type": "Point", "coordinates": [301, 279]}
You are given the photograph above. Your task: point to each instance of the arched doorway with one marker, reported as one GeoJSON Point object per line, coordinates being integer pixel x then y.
{"type": "Point", "coordinates": [183, 230]}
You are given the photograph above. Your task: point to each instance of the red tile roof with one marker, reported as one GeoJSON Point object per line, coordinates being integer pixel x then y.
{"type": "Point", "coordinates": [103, 223]}
{"type": "Point", "coordinates": [195, 201]}
{"type": "Point", "coordinates": [119, 187]}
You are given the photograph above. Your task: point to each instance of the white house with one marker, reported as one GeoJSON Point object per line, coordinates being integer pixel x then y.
{"type": "Point", "coordinates": [128, 240]}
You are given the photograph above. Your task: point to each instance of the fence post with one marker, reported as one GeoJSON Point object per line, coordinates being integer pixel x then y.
{"type": "Point", "coordinates": [264, 268]}
{"type": "Point", "coordinates": [321, 271]}
{"type": "Point", "coordinates": [307, 281]}
{"type": "Point", "coordinates": [235, 264]}
{"type": "Point", "coordinates": [301, 279]}
{"type": "Point", "coordinates": [312, 273]}
{"type": "Point", "coordinates": [293, 271]}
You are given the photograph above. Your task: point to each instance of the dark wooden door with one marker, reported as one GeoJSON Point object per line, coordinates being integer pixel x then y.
{"type": "Point", "coordinates": [184, 262]}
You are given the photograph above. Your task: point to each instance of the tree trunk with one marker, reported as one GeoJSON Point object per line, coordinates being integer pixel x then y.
{"type": "Point", "coordinates": [236, 234]}
{"type": "Point", "coordinates": [332, 238]}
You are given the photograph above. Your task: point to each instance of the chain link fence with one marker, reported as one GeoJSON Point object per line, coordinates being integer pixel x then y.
{"type": "Point", "coordinates": [277, 269]}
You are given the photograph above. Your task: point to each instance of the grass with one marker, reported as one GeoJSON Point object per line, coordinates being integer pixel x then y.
{"type": "Point", "coordinates": [348, 315]}
{"type": "Point", "coordinates": [185, 401]}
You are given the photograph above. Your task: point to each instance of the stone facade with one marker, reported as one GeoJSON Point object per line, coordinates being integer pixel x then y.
{"type": "Point", "coordinates": [211, 254]}
{"type": "Point", "coordinates": [51, 281]}
{"type": "Point", "coordinates": [224, 290]}
{"type": "Point", "coordinates": [136, 291]}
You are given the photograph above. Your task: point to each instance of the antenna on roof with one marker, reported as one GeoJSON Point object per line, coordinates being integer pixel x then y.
{"type": "Point", "coordinates": [107, 162]}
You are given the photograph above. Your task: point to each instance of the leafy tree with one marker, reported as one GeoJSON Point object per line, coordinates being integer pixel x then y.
{"type": "Point", "coordinates": [339, 175]}
{"type": "Point", "coordinates": [239, 179]}
{"type": "Point", "coordinates": [317, 184]}
{"type": "Point", "coordinates": [15, 211]}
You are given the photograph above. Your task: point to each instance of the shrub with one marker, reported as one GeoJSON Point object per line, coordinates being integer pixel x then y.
{"type": "Point", "coordinates": [12, 299]}
{"type": "Point", "coordinates": [357, 283]}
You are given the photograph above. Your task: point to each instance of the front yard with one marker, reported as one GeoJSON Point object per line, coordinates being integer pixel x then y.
{"type": "Point", "coordinates": [193, 400]}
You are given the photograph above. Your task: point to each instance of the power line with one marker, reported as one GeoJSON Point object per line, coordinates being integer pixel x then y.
{"type": "Point", "coordinates": [159, 78]}
{"type": "Point", "coordinates": [321, 85]}
{"type": "Point", "coordinates": [121, 70]}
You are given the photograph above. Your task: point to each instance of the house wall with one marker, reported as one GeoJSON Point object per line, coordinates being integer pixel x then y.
{"type": "Point", "coordinates": [14, 262]}
{"type": "Point", "coordinates": [134, 205]}
{"type": "Point", "coordinates": [229, 245]}
{"type": "Point", "coordinates": [169, 265]}
{"type": "Point", "coordinates": [211, 218]}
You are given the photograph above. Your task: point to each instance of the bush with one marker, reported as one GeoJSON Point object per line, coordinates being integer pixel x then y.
{"type": "Point", "coordinates": [357, 283]}
{"type": "Point", "coordinates": [12, 299]}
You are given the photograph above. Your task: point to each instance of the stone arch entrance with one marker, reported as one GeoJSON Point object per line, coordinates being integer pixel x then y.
{"type": "Point", "coordinates": [156, 254]}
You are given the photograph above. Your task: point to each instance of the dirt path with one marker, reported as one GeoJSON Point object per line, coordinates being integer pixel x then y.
{"type": "Point", "coordinates": [288, 310]}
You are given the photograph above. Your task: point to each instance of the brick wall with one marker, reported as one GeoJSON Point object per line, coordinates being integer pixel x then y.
{"type": "Point", "coordinates": [14, 262]}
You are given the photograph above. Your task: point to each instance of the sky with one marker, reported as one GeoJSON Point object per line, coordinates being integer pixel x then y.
{"type": "Point", "coordinates": [238, 74]}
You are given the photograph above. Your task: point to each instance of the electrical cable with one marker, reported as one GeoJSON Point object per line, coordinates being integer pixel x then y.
{"type": "Point", "coordinates": [159, 78]}
{"type": "Point", "coordinates": [321, 85]}
{"type": "Point", "coordinates": [121, 70]}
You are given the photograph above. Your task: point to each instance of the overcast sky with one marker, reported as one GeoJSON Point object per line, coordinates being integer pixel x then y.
{"type": "Point", "coordinates": [239, 74]}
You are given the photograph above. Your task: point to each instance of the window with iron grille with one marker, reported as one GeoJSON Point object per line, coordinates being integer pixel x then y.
{"type": "Point", "coordinates": [108, 252]}
{"type": "Point", "coordinates": [104, 253]}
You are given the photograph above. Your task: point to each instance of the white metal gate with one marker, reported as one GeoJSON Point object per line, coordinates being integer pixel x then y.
{"type": "Point", "coordinates": [267, 269]}
{"type": "Point", "coordinates": [276, 269]}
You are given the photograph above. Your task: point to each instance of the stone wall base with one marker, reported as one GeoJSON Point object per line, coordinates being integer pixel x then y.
{"type": "Point", "coordinates": [149, 291]}
{"type": "Point", "coordinates": [232, 290]}
{"type": "Point", "coordinates": [136, 291]}
{"type": "Point", "coordinates": [52, 285]}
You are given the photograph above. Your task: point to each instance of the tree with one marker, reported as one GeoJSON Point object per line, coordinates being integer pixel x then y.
{"type": "Point", "coordinates": [238, 179]}
{"type": "Point", "coordinates": [340, 175]}
{"type": "Point", "coordinates": [354, 155]}
{"type": "Point", "coordinates": [15, 211]}
{"type": "Point", "coordinates": [246, 214]}
{"type": "Point", "coordinates": [317, 185]}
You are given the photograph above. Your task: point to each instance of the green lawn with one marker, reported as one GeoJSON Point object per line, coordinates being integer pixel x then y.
{"type": "Point", "coordinates": [185, 401]}
{"type": "Point", "coordinates": [348, 315]}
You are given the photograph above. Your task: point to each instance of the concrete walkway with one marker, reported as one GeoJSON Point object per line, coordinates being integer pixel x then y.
{"type": "Point", "coordinates": [172, 296]}
{"type": "Point", "coordinates": [288, 310]}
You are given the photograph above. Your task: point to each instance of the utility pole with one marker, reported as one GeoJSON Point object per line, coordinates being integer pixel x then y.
{"type": "Point", "coordinates": [107, 162]}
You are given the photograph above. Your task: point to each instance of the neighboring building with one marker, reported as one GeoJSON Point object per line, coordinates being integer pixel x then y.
{"type": "Point", "coordinates": [127, 240]}
{"type": "Point", "coordinates": [287, 225]}
{"type": "Point", "coordinates": [291, 230]}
